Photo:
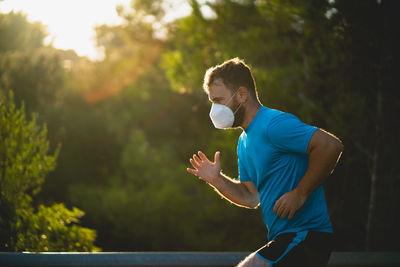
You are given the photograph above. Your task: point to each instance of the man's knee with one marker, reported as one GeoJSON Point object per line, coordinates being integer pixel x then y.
{"type": "Point", "coordinates": [253, 260]}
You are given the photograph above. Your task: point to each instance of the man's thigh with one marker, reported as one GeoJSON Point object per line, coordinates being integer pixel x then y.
{"type": "Point", "coordinates": [253, 260]}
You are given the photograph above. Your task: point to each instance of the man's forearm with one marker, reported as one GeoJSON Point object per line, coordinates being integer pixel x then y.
{"type": "Point", "coordinates": [235, 192]}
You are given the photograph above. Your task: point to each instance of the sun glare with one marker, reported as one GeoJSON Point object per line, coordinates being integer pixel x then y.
{"type": "Point", "coordinates": [69, 23]}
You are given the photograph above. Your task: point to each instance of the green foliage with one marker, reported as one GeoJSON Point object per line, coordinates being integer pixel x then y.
{"type": "Point", "coordinates": [24, 163]}
{"type": "Point", "coordinates": [37, 76]}
{"type": "Point", "coordinates": [24, 154]}
{"type": "Point", "coordinates": [18, 34]}
{"type": "Point", "coordinates": [53, 229]}
{"type": "Point", "coordinates": [32, 71]}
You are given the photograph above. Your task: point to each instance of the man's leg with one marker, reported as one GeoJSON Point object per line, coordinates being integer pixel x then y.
{"type": "Point", "coordinates": [253, 260]}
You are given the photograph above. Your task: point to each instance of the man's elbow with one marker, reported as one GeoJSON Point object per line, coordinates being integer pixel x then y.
{"type": "Point", "coordinates": [255, 203]}
{"type": "Point", "coordinates": [336, 150]}
{"type": "Point", "coordinates": [333, 145]}
{"type": "Point", "coordinates": [252, 201]}
{"type": "Point", "coordinates": [337, 147]}
{"type": "Point", "coordinates": [252, 206]}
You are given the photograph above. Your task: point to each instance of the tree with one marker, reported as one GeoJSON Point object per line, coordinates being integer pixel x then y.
{"type": "Point", "coordinates": [19, 35]}
{"type": "Point", "coordinates": [24, 162]}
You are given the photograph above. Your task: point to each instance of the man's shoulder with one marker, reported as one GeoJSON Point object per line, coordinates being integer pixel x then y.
{"type": "Point", "coordinates": [271, 113]}
{"type": "Point", "coordinates": [276, 116]}
{"type": "Point", "coordinates": [270, 116]}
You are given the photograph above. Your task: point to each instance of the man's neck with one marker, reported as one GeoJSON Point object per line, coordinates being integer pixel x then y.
{"type": "Point", "coordinates": [251, 113]}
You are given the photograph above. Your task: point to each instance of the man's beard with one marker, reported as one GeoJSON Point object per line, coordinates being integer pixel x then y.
{"type": "Point", "coordinates": [239, 115]}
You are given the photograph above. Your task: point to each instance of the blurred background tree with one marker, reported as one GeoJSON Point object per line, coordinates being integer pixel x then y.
{"type": "Point", "coordinates": [128, 124]}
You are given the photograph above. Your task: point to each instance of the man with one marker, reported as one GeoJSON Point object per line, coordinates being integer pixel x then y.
{"type": "Point", "coordinates": [282, 165]}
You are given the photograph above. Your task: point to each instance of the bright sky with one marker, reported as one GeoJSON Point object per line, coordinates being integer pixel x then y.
{"type": "Point", "coordinates": [70, 22]}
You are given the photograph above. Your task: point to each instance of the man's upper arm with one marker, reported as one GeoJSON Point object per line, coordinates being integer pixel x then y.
{"type": "Point", "coordinates": [323, 139]}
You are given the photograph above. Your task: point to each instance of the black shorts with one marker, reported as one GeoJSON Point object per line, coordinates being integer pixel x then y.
{"type": "Point", "coordinates": [309, 249]}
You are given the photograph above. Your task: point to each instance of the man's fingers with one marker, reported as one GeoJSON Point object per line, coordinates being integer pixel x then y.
{"type": "Point", "coordinates": [194, 163]}
{"type": "Point", "coordinates": [284, 213]}
{"type": "Point", "coordinates": [280, 211]}
{"type": "Point", "coordinates": [276, 206]}
{"type": "Point", "coordinates": [196, 159]}
{"type": "Point", "coordinates": [202, 156]}
{"type": "Point", "coordinates": [192, 171]}
{"type": "Point", "coordinates": [216, 157]}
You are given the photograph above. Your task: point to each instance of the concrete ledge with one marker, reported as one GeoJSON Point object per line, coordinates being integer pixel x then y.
{"type": "Point", "coordinates": [338, 259]}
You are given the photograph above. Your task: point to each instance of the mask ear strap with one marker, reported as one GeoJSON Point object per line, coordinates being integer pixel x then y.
{"type": "Point", "coordinates": [237, 108]}
{"type": "Point", "coordinates": [230, 99]}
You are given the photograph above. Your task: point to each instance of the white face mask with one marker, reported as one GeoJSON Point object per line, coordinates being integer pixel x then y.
{"type": "Point", "coordinates": [222, 116]}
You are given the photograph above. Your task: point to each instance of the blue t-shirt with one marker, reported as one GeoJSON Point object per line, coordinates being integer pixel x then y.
{"type": "Point", "coordinates": [272, 153]}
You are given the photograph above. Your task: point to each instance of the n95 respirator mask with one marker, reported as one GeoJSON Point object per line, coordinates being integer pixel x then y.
{"type": "Point", "coordinates": [222, 116]}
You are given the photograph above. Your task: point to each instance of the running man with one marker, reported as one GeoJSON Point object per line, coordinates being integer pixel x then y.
{"type": "Point", "coordinates": [282, 164]}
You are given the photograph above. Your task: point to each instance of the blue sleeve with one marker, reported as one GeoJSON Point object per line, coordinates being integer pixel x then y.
{"type": "Point", "coordinates": [289, 134]}
{"type": "Point", "coordinates": [243, 174]}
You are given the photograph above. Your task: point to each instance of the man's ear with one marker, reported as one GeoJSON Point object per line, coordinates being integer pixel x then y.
{"type": "Point", "coordinates": [243, 94]}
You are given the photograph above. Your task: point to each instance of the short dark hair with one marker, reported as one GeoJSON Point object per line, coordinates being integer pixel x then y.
{"type": "Point", "coordinates": [234, 73]}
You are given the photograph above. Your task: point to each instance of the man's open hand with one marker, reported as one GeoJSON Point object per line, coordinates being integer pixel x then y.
{"type": "Point", "coordinates": [204, 168]}
{"type": "Point", "coordinates": [289, 203]}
